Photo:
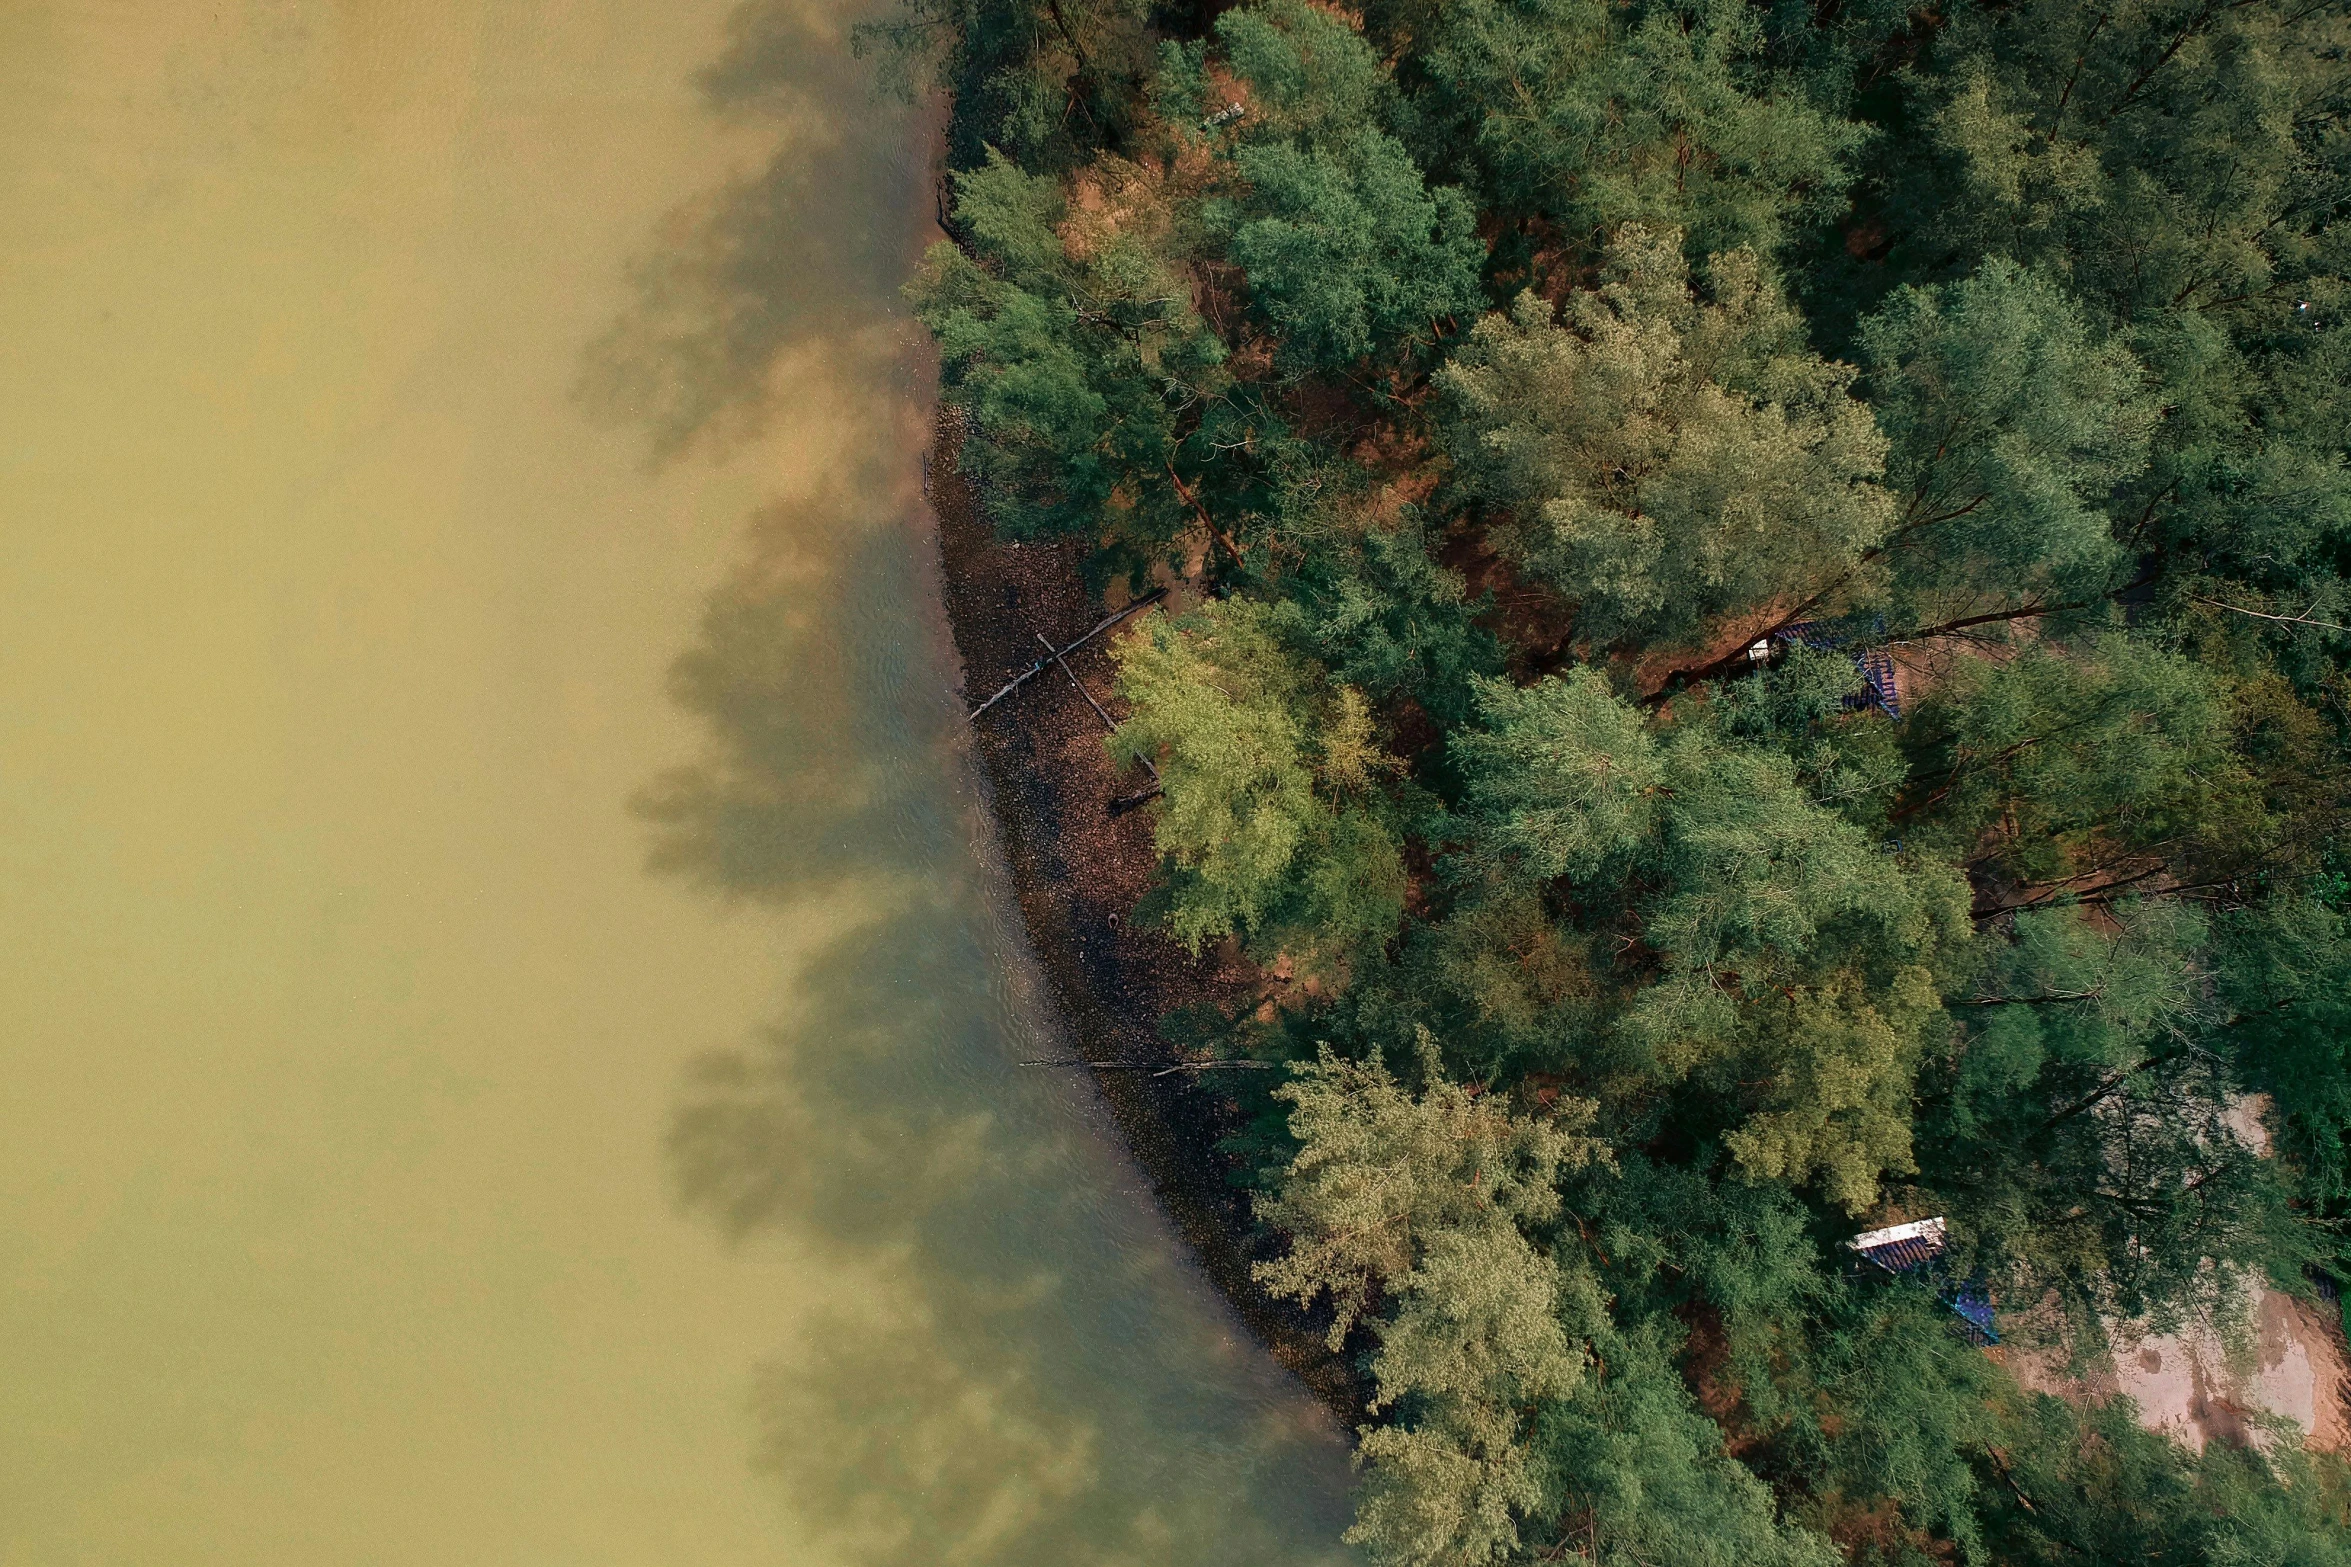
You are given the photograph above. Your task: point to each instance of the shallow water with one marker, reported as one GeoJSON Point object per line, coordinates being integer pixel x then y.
{"type": "Point", "coordinates": [510, 1023]}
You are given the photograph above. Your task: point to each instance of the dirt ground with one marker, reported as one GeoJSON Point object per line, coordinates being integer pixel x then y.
{"type": "Point", "coordinates": [2290, 1362]}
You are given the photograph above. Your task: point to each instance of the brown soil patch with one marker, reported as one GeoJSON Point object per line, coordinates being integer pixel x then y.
{"type": "Point", "coordinates": [2188, 1385]}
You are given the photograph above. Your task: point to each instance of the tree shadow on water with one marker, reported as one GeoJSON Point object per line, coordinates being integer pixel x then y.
{"type": "Point", "coordinates": [1007, 1369]}
{"type": "Point", "coordinates": [814, 242]}
{"type": "Point", "coordinates": [814, 753]}
{"type": "Point", "coordinates": [1006, 1361]}
{"type": "Point", "coordinates": [1009, 1365]}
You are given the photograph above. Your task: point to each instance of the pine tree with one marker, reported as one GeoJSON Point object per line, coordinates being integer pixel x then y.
{"type": "Point", "coordinates": [1665, 460]}
{"type": "Point", "coordinates": [1582, 118]}
{"type": "Point", "coordinates": [1423, 1197]}
{"type": "Point", "coordinates": [1723, 796]}
{"type": "Point", "coordinates": [1270, 821]}
{"type": "Point", "coordinates": [2011, 424]}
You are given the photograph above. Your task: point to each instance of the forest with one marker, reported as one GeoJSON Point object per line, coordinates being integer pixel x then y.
{"type": "Point", "coordinates": [1770, 661]}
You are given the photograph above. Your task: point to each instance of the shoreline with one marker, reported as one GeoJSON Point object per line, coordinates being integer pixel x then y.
{"type": "Point", "coordinates": [1076, 873]}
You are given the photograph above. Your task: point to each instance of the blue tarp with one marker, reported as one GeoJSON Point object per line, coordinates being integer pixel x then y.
{"type": "Point", "coordinates": [1874, 664]}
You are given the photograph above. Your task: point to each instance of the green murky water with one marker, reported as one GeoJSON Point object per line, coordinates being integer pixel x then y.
{"type": "Point", "coordinates": [509, 1022]}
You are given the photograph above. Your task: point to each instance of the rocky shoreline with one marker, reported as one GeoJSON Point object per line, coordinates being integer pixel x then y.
{"type": "Point", "coordinates": [1078, 871]}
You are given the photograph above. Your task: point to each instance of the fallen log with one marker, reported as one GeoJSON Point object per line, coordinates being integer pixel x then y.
{"type": "Point", "coordinates": [1043, 664]}
{"type": "Point", "coordinates": [1111, 724]}
{"type": "Point", "coordinates": [1127, 802]}
{"type": "Point", "coordinates": [1165, 1071]}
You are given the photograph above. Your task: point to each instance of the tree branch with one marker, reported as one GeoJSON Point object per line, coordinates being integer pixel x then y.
{"type": "Point", "coordinates": [2091, 994]}
{"type": "Point", "coordinates": [1201, 512]}
{"type": "Point", "coordinates": [2110, 1085]}
{"type": "Point", "coordinates": [2284, 620]}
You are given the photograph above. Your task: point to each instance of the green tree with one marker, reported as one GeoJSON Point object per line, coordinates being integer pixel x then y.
{"type": "Point", "coordinates": [1384, 617]}
{"type": "Point", "coordinates": [1426, 1197]}
{"type": "Point", "coordinates": [1048, 81]}
{"type": "Point", "coordinates": [1560, 778]}
{"type": "Point", "coordinates": [1666, 460]}
{"type": "Point", "coordinates": [1637, 1472]}
{"type": "Point", "coordinates": [1272, 819]}
{"type": "Point", "coordinates": [1796, 967]}
{"type": "Point", "coordinates": [1589, 116]}
{"type": "Point", "coordinates": [1062, 347]}
{"type": "Point", "coordinates": [2279, 968]}
{"type": "Point", "coordinates": [2084, 1128]}
{"type": "Point", "coordinates": [1346, 250]}
{"type": "Point", "coordinates": [1475, 1343]}
{"type": "Point", "coordinates": [2069, 1485]}
{"type": "Point", "coordinates": [2105, 768]}
{"type": "Point", "coordinates": [1775, 953]}
{"type": "Point", "coordinates": [2011, 425]}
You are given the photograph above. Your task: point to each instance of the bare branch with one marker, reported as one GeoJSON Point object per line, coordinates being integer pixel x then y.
{"type": "Point", "coordinates": [2285, 620]}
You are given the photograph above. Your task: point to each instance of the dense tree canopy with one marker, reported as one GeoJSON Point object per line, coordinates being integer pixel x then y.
{"type": "Point", "coordinates": [1767, 633]}
{"type": "Point", "coordinates": [1665, 463]}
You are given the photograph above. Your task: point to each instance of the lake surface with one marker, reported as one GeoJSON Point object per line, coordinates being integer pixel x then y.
{"type": "Point", "coordinates": [510, 1022]}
